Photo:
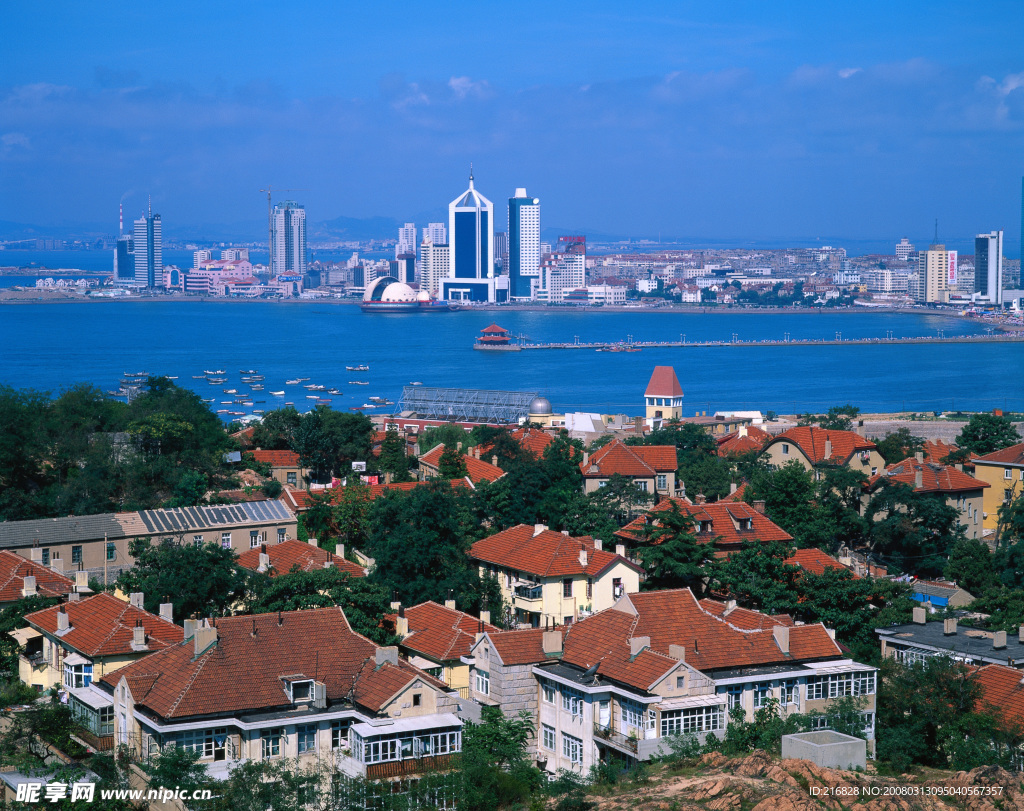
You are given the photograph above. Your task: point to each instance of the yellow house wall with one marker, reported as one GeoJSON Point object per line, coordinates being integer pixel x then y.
{"type": "Point", "coordinates": [995, 476]}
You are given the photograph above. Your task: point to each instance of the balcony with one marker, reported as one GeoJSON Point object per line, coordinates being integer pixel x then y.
{"type": "Point", "coordinates": [624, 743]}
{"type": "Point", "coordinates": [410, 766]}
{"type": "Point", "coordinates": [528, 592]}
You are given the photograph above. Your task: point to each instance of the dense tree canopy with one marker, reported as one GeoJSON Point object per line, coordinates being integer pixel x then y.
{"type": "Point", "coordinates": [985, 433]}
{"type": "Point", "coordinates": [899, 445]}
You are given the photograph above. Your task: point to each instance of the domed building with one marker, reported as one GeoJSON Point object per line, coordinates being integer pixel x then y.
{"type": "Point", "coordinates": [540, 407]}
{"type": "Point", "coordinates": [388, 295]}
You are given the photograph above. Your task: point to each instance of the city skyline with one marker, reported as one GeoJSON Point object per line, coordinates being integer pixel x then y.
{"type": "Point", "coordinates": [676, 120]}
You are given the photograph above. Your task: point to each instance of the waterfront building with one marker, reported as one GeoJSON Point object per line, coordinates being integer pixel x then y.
{"type": "Point", "coordinates": [403, 267]}
{"type": "Point", "coordinates": [903, 249]}
{"type": "Point", "coordinates": [436, 232]}
{"type": "Point", "coordinates": [663, 396]}
{"type": "Point", "coordinates": [436, 261]}
{"type": "Point", "coordinates": [936, 274]}
{"type": "Point", "coordinates": [523, 245]}
{"type": "Point", "coordinates": [610, 294]}
{"type": "Point", "coordinates": [471, 247]}
{"type": "Point", "coordinates": [200, 258]}
{"type": "Point", "coordinates": [564, 271]}
{"type": "Point", "coordinates": [288, 251]}
{"type": "Point", "coordinates": [124, 261]}
{"type": "Point", "coordinates": [988, 267]}
{"type": "Point", "coordinates": [501, 252]}
{"type": "Point", "coordinates": [148, 244]}
{"type": "Point", "coordinates": [406, 240]}
{"type": "Point", "coordinates": [235, 254]}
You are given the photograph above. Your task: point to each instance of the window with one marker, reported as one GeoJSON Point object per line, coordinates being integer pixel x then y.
{"type": "Point", "coordinates": [46, 557]}
{"type": "Point", "coordinates": [735, 694]}
{"type": "Point", "coordinates": [572, 749]}
{"type": "Point", "coordinates": [680, 682]}
{"type": "Point", "coordinates": [642, 485]}
{"type": "Point", "coordinates": [567, 587]}
{"type": "Point", "coordinates": [874, 471]}
{"type": "Point", "coordinates": [695, 719]}
{"type": "Point", "coordinates": [1007, 473]}
{"type": "Point", "coordinates": [548, 691]}
{"type": "Point", "coordinates": [635, 715]}
{"type": "Point", "coordinates": [762, 692]}
{"type": "Point", "coordinates": [483, 682]}
{"type": "Point", "coordinates": [547, 737]}
{"type": "Point", "coordinates": [417, 699]}
{"type": "Point", "coordinates": [301, 690]}
{"type": "Point", "coordinates": [280, 534]}
{"type": "Point", "coordinates": [785, 449]}
{"type": "Point", "coordinates": [339, 733]}
{"type": "Point", "coordinates": [254, 538]}
{"type": "Point", "coordinates": [111, 550]}
{"type": "Point", "coordinates": [106, 721]}
{"type": "Point", "coordinates": [292, 478]}
{"type": "Point", "coordinates": [572, 701]}
{"type": "Point", "coordinates": [662, 481]}
{"type": "Point", "coordinates": [207, 743]}
{"type": "Point", "coordinates": [76, 554]}
{"type": "Point", "coordinates": [225, 540]}
{"type": "Point", "coordinates": [197, 540]}
{"type": "Point", "coordinates": [789, 692]}
{"type": "Point", "coordinates": [864, 683]}
{"type": "Point", "coordinates": [306, 736]}
{"type": "Point", "coordinates": [77, 675]}
{"type": "Point", "coordinates": [271, 743]}
{"type": "Point", "coordinates": [590, 588]}
{"type": "Point", "coordinates": [617, 587]}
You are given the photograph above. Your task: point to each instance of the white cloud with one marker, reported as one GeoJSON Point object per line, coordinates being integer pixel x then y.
{"type": "Point", "coordinates": [846, 73]}
{"type": "Point", "coordinates": [463, 86]}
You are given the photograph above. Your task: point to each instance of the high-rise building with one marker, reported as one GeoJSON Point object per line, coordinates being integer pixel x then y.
{"type": "Point", "coordinates": [471, 247]}
{"type": "Point", "coordinates": [406, 240]}
{"type": "Point", "coordinates": [149, 251]}
{"type": "Point", "coordinates": [435, 259]}
{"type": "Point", "coordinates": [124, 261]}
{"type": "Point", "coordinates": [235, 254]}
{"type": "Point", "coordinates": [500, 252]}
{"type": "Point", "coordinates": [200, 258]}
{"type": "Point", "coordinates": [403, 268]}
{"type": "Point", "coordinates": [288, 252]}
{"type": "Point", "coordinates": [903, 249]}
{"type": "Point", "coordinates": [563, 271]}
{"type": "Point", "coordinates": [436, 232]}
{"type": "Point", "coordinates": [523, 244]}
{"type": "Point", "coordinates": [936, 269]}
{"type": "Point", "coordinates": [988, 267]}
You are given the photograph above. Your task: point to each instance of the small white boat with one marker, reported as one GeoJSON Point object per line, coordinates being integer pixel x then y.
{"type": "Point", "coordinates": [208, 372]}
{"type": "Point", "coordinates": [312, 396]}
{"type": "Point", "coordinates": [361, 368]}
{"type": "Point", "coordinates": [359, 382]}
{"type": "Point", "coordinates": [370, 405]}
{"type": "Point", "coordinates": [416, 383]}
{"type": "Point", "coordinates": [231, 391]}
{"type": "Point", "coordinates": [227, 402]}
{"type": "Point", "coordinates": [278, 393]}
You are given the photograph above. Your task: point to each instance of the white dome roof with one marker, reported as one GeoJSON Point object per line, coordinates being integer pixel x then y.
{"type": "Point", "coordinates": [423, 295]}
{"type": "Point", "coordinates": [398, 291]}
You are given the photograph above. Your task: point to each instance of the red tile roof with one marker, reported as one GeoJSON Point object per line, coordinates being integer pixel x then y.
{"type": "Point", "coordinates": [478, 469]}
{"type": "Point", "coordinates": [745, 619]}
{"type": "Point", "coordinates": [534, 440]}
{"type": "Point", "coordinates": [634, 461]}
{"type": "Point", "coordinates": [102, 625]}
{"type": "Point", "coordinates": [545, 553]}
{"type": "Point", "coordinates": [1014, 455]}
{"type": "Point", "coordinates": [720, 521]}
{"type": "Point", "coordinates": [276, 458]}
{"type": "Point", "coordinates": [743, 441]}
{"type": "Point", "coordinates": [290, 554]}
{"type": "Point", "coordinates": [244, 437]}
{"type": "Point", "coordinates": [1002, 693]}
{"type": "Point", "coordinates": [13, 571]}
{"type": "Point", "coordinates": [811, 440]}
{"type": "Point", "coordinates": [300, 500]}
{"type": "Point", "coordinates": [935, 450]}
{"type": "Point", "coordinates": [935, 478]}
{"type": "Point", "coordinates": [739, 495]}
{"type": "Point", "coordinates": [814, 561]}
{"type": "Point", "coordinates": [243, 671]}
{"type": "Point", "coordinates": [663, 383]}
{"type": "Point", "coordinates": [522, 647]}
{"type": "Point", "coordinates": [440, 633]}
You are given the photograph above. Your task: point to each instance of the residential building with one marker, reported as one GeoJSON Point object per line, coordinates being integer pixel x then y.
{"type": "Point", "coordinates": [436, 265]}
{"type": "Point", "coordinates": [20, 578]}
{"type": "Point", "coordinates": [988, 267]}
{"type": "Point", "coordinates": [550, 578]}
{"type": "Point", "coordinates": [471, 248]}
{"type": "Point", "coordinates": [523, 245]}
{"type": "Point", "coordinates": [727, 525]}
{"type": "Point", "coordinates": [936, 273]}
{"type": "Point", "coordinates": [276, 559]}
{"type": "Point", "coordinates": [124, 261]}
{"type": "Point", "coordinates": [814, 561]}
{"type": "Point", "coordinates": [284, 466]}
{"type": "Point", "coordinates": [955, 488]}
{"type": "Point", "coordinates": [148, 246]}
{"type": "Point", "coordinates": [406, 240]}
{"type": "Point", "coordinates": [235, 254]}
{"type": "Point", "coordinates": [612, 295]}
{"type": "Point", "coordinates": [1002, 695]}
{"type": "Point", "coordinates": [816, 448]}
{"type": "Point", "coordinates": [71, 645]}
{"type": "Point", "coordinates": [903, 249]}
{"type": "Point", "coordinates": [101, 544]}
{"type": "Point", "coordinates": [1003, 472]}
{"type": "Point", "coordinates": [564, 271]}
{"type": "Point", "coordinates": [916, 641]}
{"type": "Point", "coordinates": [436, 233]}
{"type": "Point", "coordinates": [748, 439]}
{"type": "Point", "coordinates": [939, 594]}
{"type": "Point", "coordinates": [652, 468]}
{"type": "Point", "coordinates": [532, 440]}
{"type": "Point", "coordinates": [476, 468]}
{"type": "Point", "coordinates": [200, 258]}
{"type": "Point", "coordinates": [288, 251]}
{"type": "Point", "coordinates": [295, 684]}
{"type": "Point", "coordinates": [436, 638]}
{"type": "Point", "coordinates": [614, 686]}
{"type": "Point", "coordinates": [663, 396]}
{"type": "Point", "coordinates": [720, 424]}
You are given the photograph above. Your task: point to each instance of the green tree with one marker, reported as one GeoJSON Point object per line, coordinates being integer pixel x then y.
{"type": "Point", "coordinates": [199, 580]}
{"type": "Point", "coordinates": [970, 565]}
{"type": "Point", "coordinates": [788, 493]}
{"type": "Point", "coordinates": [899, 445]}
{"type": "Point", "coordinates": [914, 531]}
{"type": "Point", "coordinates": [672, 555]}
{"type": "Point", "coordinates": [496, 769]}
{"type": "Point", "coordinates": [277, 430]}
{"type": "Point", "coordinates": [452, 464]}
{"type": "Point", "coordinates": [189, 491]}
{"type": "Point", "coordinates": [392, 456]}
{"type": "Point", "coordinates": [985, 433]}
{"type": "Point", "coordinates": [449, 434]}
{"type": "Point", "coordinates": [758, 577]}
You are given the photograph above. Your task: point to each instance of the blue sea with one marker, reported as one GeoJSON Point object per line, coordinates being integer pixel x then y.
{"type": "Point", "coordinates": [51, 346]}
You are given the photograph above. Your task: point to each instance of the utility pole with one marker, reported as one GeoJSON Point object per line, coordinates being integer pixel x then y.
{"type": "Point", "coordinates": [270, 223]}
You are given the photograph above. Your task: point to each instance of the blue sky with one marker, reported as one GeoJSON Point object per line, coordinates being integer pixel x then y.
{"type": "Point", "coordinates": [741, 120]}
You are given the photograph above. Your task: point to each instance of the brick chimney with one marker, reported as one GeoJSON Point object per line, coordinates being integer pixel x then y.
{"type": "Point", "coordinates": [264, 562]}
{"type": "Point", "coordinates": [598, 545]}
{"type": "Point", "coordinates": [81, 581]}
{"type": "Point", "coordinates": [583, 558]}
{"type": "Point", "coordinates": [538, 529]}
{"type": "Point", "coordinates": [759, 506]}
{"type": "Point", "coordinates": [638, 643]}
{"type": "Point", "coordinates": [919, 456]}
{"type": "Point", "coordinates": [620, 550]}
{"type": "Point", "coordinates": [828, 448]}
{"type": "Point", "coordinates": [138, 636]}
{"type": "Point", "coordinates": [205, 637]}
{"type": "Point", "coordinates": [35, 554]}
{"type": "Point", "coordinates": [388, 655]}
{"type": "Point", "coordinates": [63, 623]}
{"type": "Point", "coordinates": [339, 550]}
{"type": "Point", "coordinates": [190, 628]}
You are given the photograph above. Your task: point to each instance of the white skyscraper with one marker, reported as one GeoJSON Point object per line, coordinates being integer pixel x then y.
{"type": "Point", "coordinates": [523, 244]}
{"type": "Point", "coordinates": [288, 253]}
{"type": "Point", "coordinates": [406, 240]}
{"type": "Point", "coordinates": [436, 232]}
{"type": "Point", "coordinates": [149, 251]}
{"type": "Point", "coordinates": [435, 259]}
{"type": "Point", "coordinates": [988, 267]}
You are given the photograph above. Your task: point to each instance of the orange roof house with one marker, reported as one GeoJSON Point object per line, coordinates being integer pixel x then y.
{"type": "Point", "coordinates": [727, 525]}
{"type": "Point", "coordinates": [477, 469]}
{"type": "Point", "coordinates": [814, 561]}
{"type": "Point", "coordinates": [24, 578]}
{"type": "Point", "coordinates": [746, 439]}
{"type": "Point", "coordinates": [814, 447]}
{"type": "Point", "coordinates": [282, 558]}
{"type": "Point", "coordinates": [284, 465]}
{"type": "Point", "coordinates": [651, 467]}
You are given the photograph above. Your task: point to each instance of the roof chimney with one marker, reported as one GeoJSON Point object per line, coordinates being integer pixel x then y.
{"type": "Point", "coordinates": [28, 588]}
{"type": "Point", "coordinates": [138, 637]}
{"type": "Point", "coordinates": [828, 448]}
{"type": "Point", "coordinates": [638, 643]}
{"type": "Point", "coordinates": [167, 611]}
{"type": "Point", "coordinates": [81, 581]}
{"type": "Point", "coordinates": [205, 637]}
{"type": "Point", "coordinates": [620, 550]}
{"type": "Point", "coordinates": [1020, 634]}
{"type": "Point", "coordinates": [402, 623]}
{"type": "Point", "coordinates": [732, 487]}
{"type": "Point", "coordinates": [313, 542]}
{"type": "Point", "coordinates": [136, 599]}
{"type": "Point", "coordinates": [583, 558]}
{"type": "Point", "coordinates": [700, 498]}
{"type": "Point", "coordinates": [63, 623]}
{"type": "Point", "coordinates": [999, 640]}
{"type": "Point", "coordinates": [339, 550]}
{"type": "Point", "coordinates": [190, 628]}
{"type": "Point", "coordinates": [919, 456]}
{"type": "Point", "coordinates": [677, 652]}
{"type": "Point", "coordinates": [264, 562]}
{"type": "Point", "coordinates": [35, 554]}
{"type": "Point", "coordinates": [920, 616]}
{"type": "Point", "coordinates": [74, 597]}
{"type": "Point", "coordinates": [586, 458]}
{"type": "Point", "coordinates": [743, 430]}
{"type": "Point", "coordinates": [538, 529]}
{"type": "Point", "coordinates": [388, 655]}
{"type": "Point", "coordinates": [598, 545]}
{"type": "Point", "coordinates": [781, 634]}
{"type": "Point", "coordinates": [458, 446]}
{"type": "Point", "coordinates": [759, 506]}
{"type": "Point", "coordinates": [949, 627]}
{"type": "Point", "coordinates": [918, 479]}
{"type": "Point", "coordinates": [551, 642]}
{"type": "Point", "coordinates": [730, 606]}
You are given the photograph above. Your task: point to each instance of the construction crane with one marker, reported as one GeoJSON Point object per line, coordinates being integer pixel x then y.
{"type": "Point", "coordinates": [270, 223]}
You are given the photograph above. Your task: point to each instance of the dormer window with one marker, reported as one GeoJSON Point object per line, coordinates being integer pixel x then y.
{"type": "Point", "coordinates": [704, 526]}
{"type": "Point", "coordinates": [298, 688]}
{"type": "Point", "coordinates": [746, 524]}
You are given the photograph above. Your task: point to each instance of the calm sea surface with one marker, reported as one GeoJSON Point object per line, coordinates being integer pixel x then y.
{"type": "Point", "coordinates": [50, 346]}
